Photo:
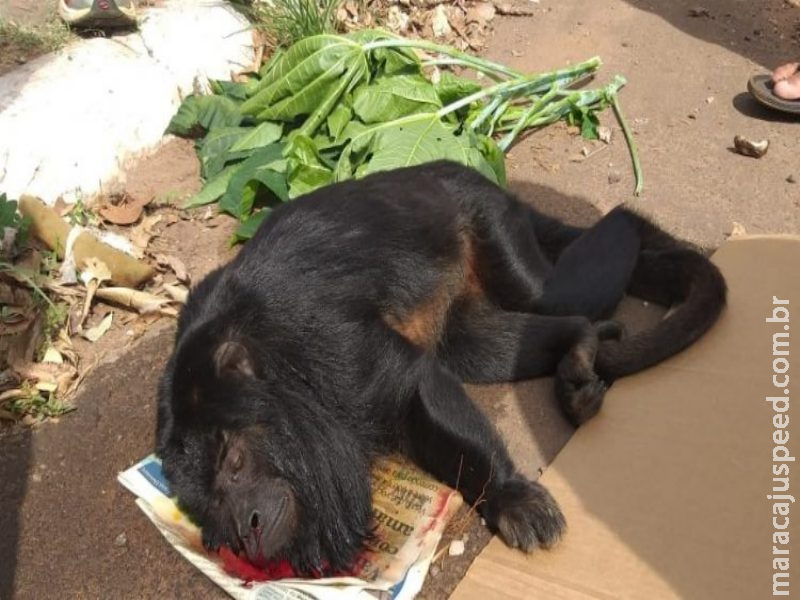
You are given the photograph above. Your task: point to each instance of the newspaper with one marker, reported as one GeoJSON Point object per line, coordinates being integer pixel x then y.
{"type": "Point", "coordinates": [410, 509]}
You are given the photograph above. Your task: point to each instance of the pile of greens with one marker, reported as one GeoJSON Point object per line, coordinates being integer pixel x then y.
{"type": "Point", "coordinates": [334, 107]}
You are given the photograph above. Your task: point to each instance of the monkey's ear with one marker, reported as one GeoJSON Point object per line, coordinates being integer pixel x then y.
{"type": "Point", "coordinates": [232, 359]}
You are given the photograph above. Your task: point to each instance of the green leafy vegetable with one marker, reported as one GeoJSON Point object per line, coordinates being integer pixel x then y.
{"type": "Point", "coordinates": [250, 225]}
{"type": "Point", "coordinates": [405, 142]}
{"type": "Point", "coordinates": [335, 107]}
{"type": "Point", "coordinates": [10, 218]}
{"type": "Point", "coordinates": [307, 170]}
{"type": "Point", "coordinates": [390, 98]}
{"type": "Point", "coordinates": [265, 168]}
{"type": "Point", "coordinates": [214, 188]}
{"type": "Point", "coordinates": [199, 113]}
{"type": "Point", "coordinates": [262, 135]}
{"type": "Point", "coordinates": [218, 148]}
{"type": "Point", "coordinates": [451, 88]}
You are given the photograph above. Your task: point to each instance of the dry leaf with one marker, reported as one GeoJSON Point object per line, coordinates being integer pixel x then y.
{"type": "Point", "coordinates": [95, 333]}
{"type": "Point", "coordinates": [53, 356]}
{"type": "Point", "coordinates": [46, 386]}
{"type": "Point", "coordinates": [125, 211]}
{"type": "Point", "coordinates": [439, 23]}
{"type": "Point", "coordinates": [95, 269]}
{"type": "Point", "coordinates": [142, 302]}
{"type": "Point", "coordinates": [177, 292]}
{"type": "Point", "coordinates": [396, 20]}
{"type": "Point", "coordinates": [482, 13]}
{"type": "Point", "coordinates": [141, 235]}
{"type": "Point", "coordinates": [177, 266]}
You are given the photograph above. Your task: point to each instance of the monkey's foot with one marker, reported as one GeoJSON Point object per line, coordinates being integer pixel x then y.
{"type": "Point", "coordinates": [579, 390]}
{"type": "Point", "coordinates": [525, 515]}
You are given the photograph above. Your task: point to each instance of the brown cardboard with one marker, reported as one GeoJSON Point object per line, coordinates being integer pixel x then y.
{"type": "Point", "coordinates": [665, 492]}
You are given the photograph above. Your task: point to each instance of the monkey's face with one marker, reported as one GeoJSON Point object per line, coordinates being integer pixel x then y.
{"type": "Point", "coordinates": [264, 468]}
{"type": "Point", "coordinates": [230, 484]}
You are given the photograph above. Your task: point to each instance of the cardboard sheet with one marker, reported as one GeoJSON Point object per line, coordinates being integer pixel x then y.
{"type": "Point", "coordinates": [665, 492]}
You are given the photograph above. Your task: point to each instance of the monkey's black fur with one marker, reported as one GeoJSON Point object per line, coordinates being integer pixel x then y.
{"type": "Point", "coordinates": [345, 328]}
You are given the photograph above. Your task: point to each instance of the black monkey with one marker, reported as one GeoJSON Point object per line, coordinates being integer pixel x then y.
{"type": "Point", "coordinates": [345, 327]}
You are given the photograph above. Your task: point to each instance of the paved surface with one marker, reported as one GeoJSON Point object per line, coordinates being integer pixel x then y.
{"type": "Point", "coordinates": [61, 509]}
{"type": "Point", "coordinates": [129, 84]}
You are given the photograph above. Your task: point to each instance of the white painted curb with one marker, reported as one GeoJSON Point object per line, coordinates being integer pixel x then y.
{"type": "Point", "coordinates": [70, 121]}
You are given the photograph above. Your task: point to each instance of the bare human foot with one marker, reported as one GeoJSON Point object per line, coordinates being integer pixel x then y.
{"type": "Point", "coordinates": [787, 81]}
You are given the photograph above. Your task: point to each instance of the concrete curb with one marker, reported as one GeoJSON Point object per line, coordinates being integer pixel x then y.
{"type": "Point", "coordinates": [71, 121]}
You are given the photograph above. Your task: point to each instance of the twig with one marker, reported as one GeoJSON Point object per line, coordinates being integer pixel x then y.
{"type": "Point", "coordinates": [511, 11]}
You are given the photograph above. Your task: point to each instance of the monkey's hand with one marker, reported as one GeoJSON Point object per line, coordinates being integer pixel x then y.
{"type": "Point", "coordinates": [524, 514]}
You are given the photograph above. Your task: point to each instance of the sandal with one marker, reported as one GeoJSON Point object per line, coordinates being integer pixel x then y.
{"type": "Point", "coordinates": [98, 14]}
{"type": "Point", "coordinates": [760, 87]}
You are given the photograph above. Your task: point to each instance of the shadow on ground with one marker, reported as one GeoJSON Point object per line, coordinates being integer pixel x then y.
{"type": "Point", "coordinates": [67, 524]}
{"type": "Point", "coordinates": [15, 457]}
{"type": "Point", "coordinates": [766, 32]}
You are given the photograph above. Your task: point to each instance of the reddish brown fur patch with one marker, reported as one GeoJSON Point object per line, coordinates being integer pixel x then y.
{"type": "Point", "coordinates": [423, 326]}
{"type": "Point", "coordinates": [469, 268]}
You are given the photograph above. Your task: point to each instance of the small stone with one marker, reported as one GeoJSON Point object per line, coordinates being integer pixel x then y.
{"type": "Point", "coordinates": [456, 548]}
{"type": "Point", "coordinates": [36, 478]}
{"type": "Point", "coordinates": [121, 540]}
{"type": "Point", "coordinates": [710, 100]}
{"type": "Point", "coordinates": [747, 147]}
{"type": "Point", "coordinates": [435, 570]}
{"type": "Point", "coordinates": [791, 179]}
{"type": "Point", "coordinates": [736, 230]}
{"type": "Point", "coordinates": [614, 177]}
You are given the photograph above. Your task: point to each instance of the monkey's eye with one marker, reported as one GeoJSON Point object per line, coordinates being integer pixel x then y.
{"type": "Point", "coordinates": [235, 459]}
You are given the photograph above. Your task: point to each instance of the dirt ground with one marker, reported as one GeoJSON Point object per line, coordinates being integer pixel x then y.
{"type": "Point", "coordinates": [62, 513]}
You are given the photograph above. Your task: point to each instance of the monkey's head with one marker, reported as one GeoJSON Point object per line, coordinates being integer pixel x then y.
{"type": "Point", "coordinates": [257, 461]}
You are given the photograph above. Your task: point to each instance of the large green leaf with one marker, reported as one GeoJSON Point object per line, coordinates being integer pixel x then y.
{"type": "Point", "coordinates": [249, 226]}
{"type": "Point", "coordinates": [216, 149]}
{"type": "Point", "coordinates": [307, 170]}
{"type": "Point", "coordinates": [304, 72]}
{"type": "Point", "coordinates": [409, 141]}
{"type": "Point", "coordinates": [389, 98]}
{"type": "Point", "coordinates": [451, 88]}
{"type": "Point", "coordinates": [204, 113]}
{"type": "Point", "coordinates": [262, 135]}
{"type": "Point", "coordinates": [338, 120]}
{"type": "Point", "coordinates": [352, 129]}
{"type": "Point", "coordinates": [286, 62]}
{"type": "Point", "coordinates": [214, 188]}
{"type": "Point", "coordinates": [493, 165]}
{"type": "Point", "coordinates": [387, 61]}
{"type": "Point", "coordinates": [324, 89]}
{"type": "Point", "coordinates": [267, 168]}
{"type": "Point", "coordinates": [232, 89]}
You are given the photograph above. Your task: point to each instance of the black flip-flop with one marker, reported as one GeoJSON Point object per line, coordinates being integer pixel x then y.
{"type": "Point", "coordinates": [760, 87]}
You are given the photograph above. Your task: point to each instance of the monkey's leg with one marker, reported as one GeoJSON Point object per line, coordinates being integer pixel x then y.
{"type": "Point", "coordinates": [447, 435]}
{"type": "Point", "coordinates": [483, 344]}
{"type": "Point", "coordinates": [592, 274]}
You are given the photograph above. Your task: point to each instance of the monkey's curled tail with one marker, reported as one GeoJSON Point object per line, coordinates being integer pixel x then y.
{"type": "Point", "coordinates": [681, 279]}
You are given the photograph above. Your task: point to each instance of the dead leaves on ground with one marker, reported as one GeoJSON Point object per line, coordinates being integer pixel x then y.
{"type": "Point", "coordinates": [465, 25]}
{"type": "Point", "coordinates": [38, 378]}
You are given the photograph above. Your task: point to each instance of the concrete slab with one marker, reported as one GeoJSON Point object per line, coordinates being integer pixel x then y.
{"type": "Point", "coordinates": [70, 121]}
